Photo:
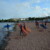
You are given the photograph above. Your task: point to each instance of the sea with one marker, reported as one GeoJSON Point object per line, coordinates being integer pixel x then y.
{"type": "Point", "coordinates": [3, 30]}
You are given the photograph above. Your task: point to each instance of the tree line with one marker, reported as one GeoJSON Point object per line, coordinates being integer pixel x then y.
{"type": "Point", "coordinates": [39, 18]}
{"type": "Point", "coordinates": [30, 18]}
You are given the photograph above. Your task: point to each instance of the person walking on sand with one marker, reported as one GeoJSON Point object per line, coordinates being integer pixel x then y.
{"type": "Point", "coordinates": [22, 29]}
{"type": "Point", "coordinates": [37, 24]}
{"type": "Point", "coordinates": [45, 23]}
{"type": "Point", "coordinates": [22, 25]}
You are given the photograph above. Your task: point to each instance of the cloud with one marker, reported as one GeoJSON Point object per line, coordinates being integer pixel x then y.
{"type": "Point", "coordinates": [20, 8]}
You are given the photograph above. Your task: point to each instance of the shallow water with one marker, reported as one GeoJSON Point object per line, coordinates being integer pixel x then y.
{"type": "Point", "coordinates": [3, 31]}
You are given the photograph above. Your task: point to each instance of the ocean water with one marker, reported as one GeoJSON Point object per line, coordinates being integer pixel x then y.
{"type": "Point", "coordinates": [3, 31]}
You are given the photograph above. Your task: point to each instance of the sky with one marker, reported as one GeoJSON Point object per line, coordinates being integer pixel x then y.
{"type": "Point", "coordinates": [24, 8]}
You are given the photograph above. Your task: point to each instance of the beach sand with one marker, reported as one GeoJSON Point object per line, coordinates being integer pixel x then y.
{"type": "Point", "coordinates": [35, 40]}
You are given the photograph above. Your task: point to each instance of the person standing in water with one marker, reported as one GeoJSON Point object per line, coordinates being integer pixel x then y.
{"type": "Point", "coordinates": [7, 26]}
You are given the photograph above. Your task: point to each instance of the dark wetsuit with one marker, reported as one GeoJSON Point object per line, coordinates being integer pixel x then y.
{"type": "Point", "coordinates": [45, 23]}
{"type": "Point", "coordinates": [22, 25]}
{"type": "Point", "coordinates": [20, 29]}
{"type": "Point", "coordinates": [7, 26]}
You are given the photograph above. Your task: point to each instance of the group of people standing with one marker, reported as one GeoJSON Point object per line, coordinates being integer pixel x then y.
{"type": "Point", "coordinates": [25, 30]}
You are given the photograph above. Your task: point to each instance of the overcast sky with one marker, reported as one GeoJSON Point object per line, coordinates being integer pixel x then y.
{"type": "Point", "coordinates": [24, 8]}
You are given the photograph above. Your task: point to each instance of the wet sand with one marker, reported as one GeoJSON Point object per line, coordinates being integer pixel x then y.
{"type": "Point", "coordinates": [35, 40]}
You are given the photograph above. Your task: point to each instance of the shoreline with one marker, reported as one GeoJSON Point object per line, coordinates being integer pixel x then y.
{"type": "Point", "coordinates": [5, 41]}
{"type": "Point", "coordinates": [35, 40]}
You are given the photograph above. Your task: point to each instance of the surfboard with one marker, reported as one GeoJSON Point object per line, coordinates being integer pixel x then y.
{"type": "Point", "coordinates": [7, 26]}
{"type": "Point", "coordinates": [27, 29]}
{"type": "Point", "coordinates": [24, 31]}
{"type": "Point", "coordinates": [42, 25]}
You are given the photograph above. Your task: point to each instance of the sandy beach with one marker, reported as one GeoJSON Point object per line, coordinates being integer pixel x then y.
{"type": "Point", "coordinates": [35, 40]}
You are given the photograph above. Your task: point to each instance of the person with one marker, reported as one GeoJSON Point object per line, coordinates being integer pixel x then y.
{"type": "Point", "coordinates": [37, 24]}
{"type": "Point", "coordinates": [22, 25]}
{"type": "Point", "coordinates": [15, 27]}
{"type": "Point", "coordinates": [45, 23]}
{"type": "Point", "coordinates": [8, 26]}
{"type": "Point", "coordinates": [21, 29]}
